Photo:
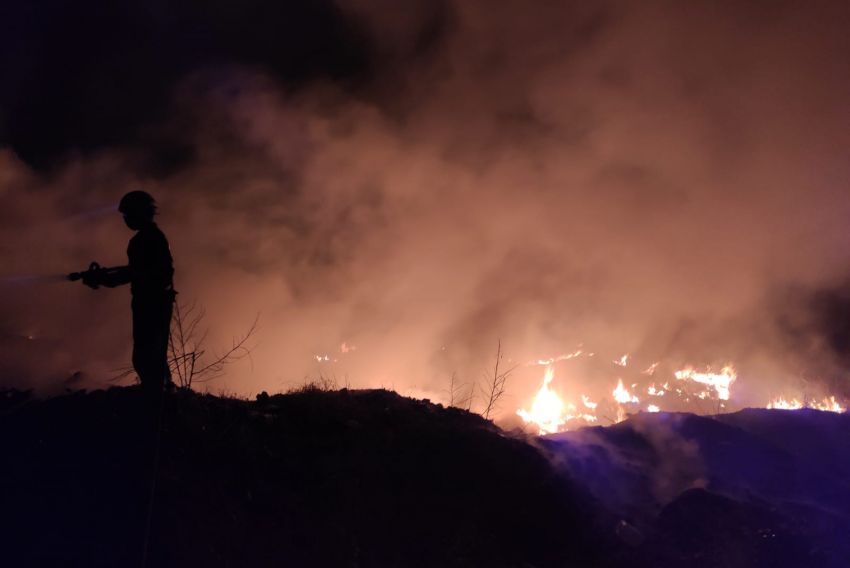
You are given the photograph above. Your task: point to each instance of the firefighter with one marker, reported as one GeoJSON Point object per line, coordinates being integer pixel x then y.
{"type": "Point", "coordinates": [149, 272]}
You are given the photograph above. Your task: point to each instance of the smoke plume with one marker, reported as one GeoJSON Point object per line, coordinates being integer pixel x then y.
{"type": "Point", "coordinates": [643, 179]}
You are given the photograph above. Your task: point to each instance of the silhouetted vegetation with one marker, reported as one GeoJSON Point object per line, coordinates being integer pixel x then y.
{"type": "Point", "coordinates": [188, 358]}
{"type": "Point", "coordinates": [494, 386]}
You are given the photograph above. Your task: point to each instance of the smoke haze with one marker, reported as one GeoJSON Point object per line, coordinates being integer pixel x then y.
{"type": "Point", "coordinates": [665, 179]}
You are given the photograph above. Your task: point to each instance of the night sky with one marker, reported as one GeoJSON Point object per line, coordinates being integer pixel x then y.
{"type": "Point", "coordinates": [419, 180]}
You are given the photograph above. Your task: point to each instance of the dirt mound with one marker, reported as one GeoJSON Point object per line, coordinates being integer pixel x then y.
{"type": "Point", "coordinates": [346, 478]}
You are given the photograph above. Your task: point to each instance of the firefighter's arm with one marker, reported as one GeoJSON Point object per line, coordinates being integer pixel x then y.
{"type": "Point", "coordinates": [115, 276]}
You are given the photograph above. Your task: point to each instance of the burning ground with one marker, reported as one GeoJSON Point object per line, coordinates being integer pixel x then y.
{"type": "Point", "coordinates": [574, 393]}
{"type": "Point", "coordinates": [369, 478]}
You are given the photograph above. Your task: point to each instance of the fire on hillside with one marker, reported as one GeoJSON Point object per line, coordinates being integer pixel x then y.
{"type": "Point", "coordinates": [702, 391]}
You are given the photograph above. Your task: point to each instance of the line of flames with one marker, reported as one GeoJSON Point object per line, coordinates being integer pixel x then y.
{"type": "Point", "coordinates": [828, 404]}
{"type": "Point", "coordinates": [550, 414]}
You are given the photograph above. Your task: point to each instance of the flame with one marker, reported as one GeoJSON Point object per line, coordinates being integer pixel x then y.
{"type": "Point", "coordinates": [782, 404]}
{"type": "Point", "coordinates": [721, 381]}
{"type": "Point", "coordinates": [622, 395]}
{"type": "Point", "coordinates": [547, 410]}
{"type": "Point", "coordinates": [651, 369]}
{"type": "Point", "coordinates": [827, 404]}
{"type": "Point", "coordinates": [552, 360]}
{"type": "Point", "coordinates": [652, 390]}
{"type": "Point", "coordinates": [551, 414]}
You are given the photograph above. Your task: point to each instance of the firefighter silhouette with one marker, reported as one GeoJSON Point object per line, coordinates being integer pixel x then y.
{"type": "Point", "coordinates": [149, 272]}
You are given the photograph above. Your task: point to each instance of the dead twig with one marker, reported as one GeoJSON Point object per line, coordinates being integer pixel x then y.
{"type": "Point", "coordinates": [496, 384]}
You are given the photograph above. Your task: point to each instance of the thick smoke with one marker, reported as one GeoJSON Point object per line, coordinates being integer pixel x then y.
{"type": "Point", "coordinates": [635, 178]}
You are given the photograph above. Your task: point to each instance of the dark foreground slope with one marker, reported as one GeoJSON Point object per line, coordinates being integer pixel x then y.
{"type": "Point", "coordinates": [349, 478]}
{"type": "Point", "coordinates": [757, 488]}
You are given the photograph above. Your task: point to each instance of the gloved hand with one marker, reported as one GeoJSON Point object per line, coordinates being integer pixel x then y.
{"type": "Point", "coordinates": [93, 277]}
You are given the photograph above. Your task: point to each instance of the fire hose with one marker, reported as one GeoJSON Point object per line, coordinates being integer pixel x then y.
{"type": "Point", "coordinates": [95, 276]}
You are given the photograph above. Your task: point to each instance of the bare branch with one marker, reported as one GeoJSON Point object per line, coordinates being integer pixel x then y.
{"type": "Point", "coordinates": [186, 347]}
{"type": "Point", "coordinates": [496, 385]}
{"type": "Point", "coordinates": [470, 397]}
{"type": "Point", "coordinates": [454, 390]}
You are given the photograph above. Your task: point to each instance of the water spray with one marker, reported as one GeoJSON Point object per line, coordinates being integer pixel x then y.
{"type": "Point", "coordinates": [94, 213]}
{"type": "Point", "coordinates": [33, 279]}
{"type": "Point", "coordinates": [94, 276]}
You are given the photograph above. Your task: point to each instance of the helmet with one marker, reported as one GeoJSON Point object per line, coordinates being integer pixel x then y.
{"type": "Point", "coordinates": [138, 203]}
